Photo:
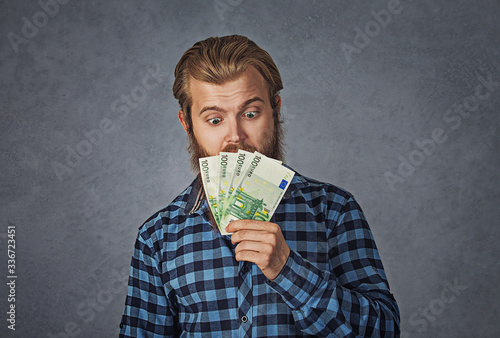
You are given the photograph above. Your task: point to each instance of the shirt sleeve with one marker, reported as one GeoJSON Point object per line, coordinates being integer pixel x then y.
{"type": "Point", "coordinates": [148, 311]}
{"type": "Point", "coordinates": [352, 299]}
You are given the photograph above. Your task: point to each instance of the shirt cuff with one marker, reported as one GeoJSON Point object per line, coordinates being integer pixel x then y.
{"type": "Point", "coordinates": [298, 281]}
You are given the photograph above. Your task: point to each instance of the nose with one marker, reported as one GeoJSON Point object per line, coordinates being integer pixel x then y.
{"type": "Point", "coordinates": [235, 132]}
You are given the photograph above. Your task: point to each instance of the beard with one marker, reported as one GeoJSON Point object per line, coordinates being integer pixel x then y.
{"type": "Point", "coordinates": [272, 147]}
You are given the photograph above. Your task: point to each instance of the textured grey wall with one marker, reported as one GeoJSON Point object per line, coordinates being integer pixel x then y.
{"type": "Point", "coordinates": [402, 112]}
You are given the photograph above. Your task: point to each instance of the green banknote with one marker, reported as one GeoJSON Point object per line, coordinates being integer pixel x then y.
{"type": "Point", "coordinates": [209, 168]}
{"type": "Point", "coordinates": [243, 185]}
{"type": "Point", "coordinates": [258, 192]}
{"type": "Point", "coordinates": [226, 164]}
{"type": "Point", "coordinates": [236, 172]}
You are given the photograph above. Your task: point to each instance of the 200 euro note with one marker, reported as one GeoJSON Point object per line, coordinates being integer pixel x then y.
{"type": "Point", "coordinates": [259, 192]}
{"type": "Point", "coordinates": [209, 168]}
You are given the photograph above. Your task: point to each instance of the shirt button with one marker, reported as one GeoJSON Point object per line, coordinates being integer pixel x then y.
{"type": "Point", "coordinates": [244, 269]}
{"type": "Point", "coordinates": [244, 319]}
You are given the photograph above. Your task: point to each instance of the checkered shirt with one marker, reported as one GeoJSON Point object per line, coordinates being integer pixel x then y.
{"type": "Point", "coordinates": [185, 281]}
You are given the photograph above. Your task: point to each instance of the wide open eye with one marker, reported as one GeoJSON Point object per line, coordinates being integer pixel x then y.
{"type": "Point", "coordinates": [215, 121]}
{"type": "Point", "coordinates": [251, 114]}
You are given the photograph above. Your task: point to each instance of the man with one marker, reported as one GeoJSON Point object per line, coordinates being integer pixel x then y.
{"type": "Point", "coordinates": [314, 270]}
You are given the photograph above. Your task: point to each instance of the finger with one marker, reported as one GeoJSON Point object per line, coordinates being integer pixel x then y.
{"type": "Point", "coordinates": [260, 259]}
{"type": "Point", "coordinates": [254, 236]}
{"type": "Point", "coordinates": [247, 256]}
{"type": "Point", "coordinates": [259, 247]}
{"type": "Point", "coordinates": [250, 224]}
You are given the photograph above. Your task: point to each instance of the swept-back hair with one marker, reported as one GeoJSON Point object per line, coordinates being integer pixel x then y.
{"type": "Point", "coordinates": [218, 60]}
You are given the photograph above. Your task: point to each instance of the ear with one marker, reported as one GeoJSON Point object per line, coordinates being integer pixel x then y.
{"type": "Point", "coordinates": [183, 121]}
{"type": "Point", "coordinates": [277, 100]}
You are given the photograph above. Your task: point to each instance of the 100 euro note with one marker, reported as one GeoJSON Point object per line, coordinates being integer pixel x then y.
{"type": "Point", "coordinates": [209, 168]}
{"type": "Point", "coordinates": [235, 173]}
{"type": "Point", "coordinates": [227, 162]}
{"type": "Point", "coordinates": [231, 170]}
{"type": "Point", "coordinates": [259, 192]}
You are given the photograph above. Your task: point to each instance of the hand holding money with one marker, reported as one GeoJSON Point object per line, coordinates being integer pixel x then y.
{"type": "Point", "coordinates": [243, 186]}
{"type": "Point", "coordinates": [261, 243]}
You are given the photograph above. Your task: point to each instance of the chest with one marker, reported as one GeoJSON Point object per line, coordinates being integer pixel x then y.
{"type": "Point", "coordinates": [200, 268]}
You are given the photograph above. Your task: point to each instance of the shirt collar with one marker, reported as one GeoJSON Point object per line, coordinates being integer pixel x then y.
{"type": "Point", "coordinates": [195, 198]}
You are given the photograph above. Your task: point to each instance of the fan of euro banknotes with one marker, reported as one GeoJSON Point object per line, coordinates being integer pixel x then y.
{"type": "Point", "coordinates": [243, 185]}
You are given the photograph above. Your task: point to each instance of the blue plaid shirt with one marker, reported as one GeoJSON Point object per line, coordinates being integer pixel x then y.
{"type": "Point", "coordinates": [185, 281]}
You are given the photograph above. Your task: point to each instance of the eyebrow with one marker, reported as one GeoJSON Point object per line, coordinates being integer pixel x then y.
{"type": "Point", "coordinates": [246, 103]}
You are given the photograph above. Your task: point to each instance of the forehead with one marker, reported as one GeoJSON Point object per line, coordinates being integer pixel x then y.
{"type": "Point", "coordinates": [249, 84]}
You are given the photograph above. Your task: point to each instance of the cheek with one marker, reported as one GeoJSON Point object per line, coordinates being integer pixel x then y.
{"type": "Point", "coordinates": [209, 138]}
{"type": "Point", "coordinates": [264, 130]}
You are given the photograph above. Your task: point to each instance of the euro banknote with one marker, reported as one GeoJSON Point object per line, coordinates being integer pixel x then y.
{"type": "Point", "coordinates": [249, 186]}
{"type": "Point", "coordinates": [209, 169]}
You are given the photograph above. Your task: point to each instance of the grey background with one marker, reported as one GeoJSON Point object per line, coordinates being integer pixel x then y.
{"type": "Point", "coordinates": [348, 123]}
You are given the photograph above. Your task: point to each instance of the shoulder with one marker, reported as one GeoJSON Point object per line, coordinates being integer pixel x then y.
{"type": "Point", "coordinates": [169, 218]}
{"type": "Point", "coordinates": [312, 189]}
{"type": "Point", "coordinates": [324, 203]}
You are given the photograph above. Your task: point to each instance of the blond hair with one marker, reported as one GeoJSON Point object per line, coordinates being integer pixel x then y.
{"type": "Point", "coordinates": [218, 60]}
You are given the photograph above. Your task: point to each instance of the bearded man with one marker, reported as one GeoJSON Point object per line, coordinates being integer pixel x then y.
{"type": "Point", "coordinates": [313, 270]}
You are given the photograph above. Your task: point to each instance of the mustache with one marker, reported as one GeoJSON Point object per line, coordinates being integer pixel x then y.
{"type": "Point", "coordinates": [234, 147]}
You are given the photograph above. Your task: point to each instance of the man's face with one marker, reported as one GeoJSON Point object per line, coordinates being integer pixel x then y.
{"type": "Point", "coordinates": [234, 115]}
